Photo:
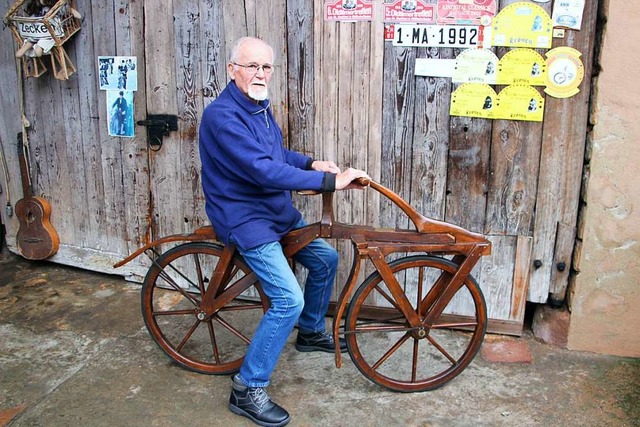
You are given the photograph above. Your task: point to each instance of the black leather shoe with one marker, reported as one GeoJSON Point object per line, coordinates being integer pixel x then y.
{"type": "Point", "coordinates": [319, 341]}
{"type": "Point", "coordinates": [255, 404]}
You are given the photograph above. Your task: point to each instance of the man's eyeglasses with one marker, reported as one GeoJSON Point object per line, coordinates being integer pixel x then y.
{"type": "Point", "coordinates": [254, 68]}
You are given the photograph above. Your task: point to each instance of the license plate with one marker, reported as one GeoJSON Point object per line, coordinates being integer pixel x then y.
{"type": "Point", "coordinates": [465, 36]}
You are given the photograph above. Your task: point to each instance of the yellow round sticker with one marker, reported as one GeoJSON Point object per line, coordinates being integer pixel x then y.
{"type": "Point", "coordinates": [564, 72]}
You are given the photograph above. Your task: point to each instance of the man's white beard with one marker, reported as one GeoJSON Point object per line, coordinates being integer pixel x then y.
{"type": "Point", "coordinates": [258, 95]}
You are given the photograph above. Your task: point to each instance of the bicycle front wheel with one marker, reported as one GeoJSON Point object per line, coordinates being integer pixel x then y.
{"type": "Point", "coordinates": [391, 353]}
{"type": "Point", "coordinates": [184, 326]}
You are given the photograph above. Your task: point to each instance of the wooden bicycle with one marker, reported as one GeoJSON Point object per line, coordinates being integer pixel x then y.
{"type": "Point", "coordinates": [201, 303]}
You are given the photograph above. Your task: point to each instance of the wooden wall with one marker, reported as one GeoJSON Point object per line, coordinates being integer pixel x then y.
{"type": "Point", "coordinates": [340, 92]}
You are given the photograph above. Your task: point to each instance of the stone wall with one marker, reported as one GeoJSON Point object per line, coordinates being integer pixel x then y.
{"type": "Point", "coordinates": [605, 301]}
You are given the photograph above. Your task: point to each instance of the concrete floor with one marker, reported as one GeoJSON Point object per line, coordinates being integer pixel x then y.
{"type": "Point", "coordinates": [74, 352]}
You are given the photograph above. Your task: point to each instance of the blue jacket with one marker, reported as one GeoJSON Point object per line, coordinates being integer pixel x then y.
{"type": "Point", "coordinates": [247, 174]}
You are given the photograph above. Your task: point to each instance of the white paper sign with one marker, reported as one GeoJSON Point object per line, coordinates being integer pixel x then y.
{"type": "Point", "coordinates": [568, 13]}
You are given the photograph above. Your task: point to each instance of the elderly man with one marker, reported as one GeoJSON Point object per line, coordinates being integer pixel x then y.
{"type": "Point", "coordinates": [247, 178]}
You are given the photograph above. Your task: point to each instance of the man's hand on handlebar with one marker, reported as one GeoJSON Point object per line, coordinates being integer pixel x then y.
{"type": "Point", "coordinates": [344, 180]}
{"type": "Point", "coordinates": [347, 180]}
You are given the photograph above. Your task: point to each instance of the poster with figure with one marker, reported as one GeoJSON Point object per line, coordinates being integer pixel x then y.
{"type": "Point", "coordinates": [520, 102]}
{"type": "Point", "coordinates": [476, 66]}
{"type": "Point", "coordinates": [522, 66]}
{"type": "Point", "coordinates": [401, 11]}
{"type": "Point", "coordinates": [118, 73]}
{"type": "Point", "coordinates": [120, 113]}
{"type": "Point", "coordinates": [522, 24]}
{"type": "Point", "coordinates": [474, 100]}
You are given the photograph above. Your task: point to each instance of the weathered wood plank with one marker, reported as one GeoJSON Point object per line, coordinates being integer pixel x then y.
{"type": "Point", "coordinates": [346, 77]}
{"type": "Point", "coordinates": [326, 44]}
{"type": "Point", "coordinates": [135, 152]}
{"type": "Point", "coordinates": [301, 89]}
{"type": "Point", "coordinates": [521, 272]}
{"type": "Point", "coordinates": [562, 254]}
{"type": "Point", "coordinates": [561, 159]}
{"type": "Point", "coordinates": [165, 164]}
{"type": "Point", "coordinates": [9, 127]}
{"type": "Point", "coordinates": [361, 95]}
{"type": "Point", "coordinates": [107, 147]}
{"type": "Point", "coordinates": [373, 164]}
{"type": "Point", "coordinates": [397, 129]}
{"type": "Point", "coordinates": [374, 137]}
{"type": "Point", "coordinates": [515, 158]}
{"type": "Point", "coordinates": [468, 170]}
{"type": "Point", "coordinates": [236, 24]}
{"type": "Point", "coordinates": [495, 274]}
{"type": "Point", "coordinates": [346, 105]}
{"type": "Point", "coordinates": [431, 139]}
{"type": "Point", "coordinates": [189, 108]}
{"type": "Point", "coordinates": [81, 50]}
{"type": "Point", "coordinates": [271, 21]}
{"type": "Point", "coordinates": [213, 50]}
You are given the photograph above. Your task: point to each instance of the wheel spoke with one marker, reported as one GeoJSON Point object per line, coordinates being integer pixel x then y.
{"type": "Point", "coordinates": [214, 344]}
{"type": "Point", "coordinates": [178, 288]}
{"type": "Point", "coordinates": [414, 367]}
{"type": "Point", "coordinates": [231, 329]}
{"type": "Point", "coordinates": [441, 349]}
{"type": "Point", "coordinates": [389, 298]}
{"type": "Point", "coordinates": [256, 306]}
{"type": "Point", "coordinates": [196, 261]}
{"type": "Point", "coordinates": [188, 335]}
{"type": "Point", "coordinates": [455, 325]}
{"type": "Point", "coordinates": [390, 352]}
{"type": "Point", "coordinates": [223, 288]}
{"type": "Point", "coordinates": [173, 312]}
{"type": "Point", "coordinates": [361, 328]}
{"type": "Point", "coordinates": [173, 268]}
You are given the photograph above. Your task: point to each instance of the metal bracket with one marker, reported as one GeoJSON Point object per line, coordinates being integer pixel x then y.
{"type": "Point", "coordinates": [158, 126]}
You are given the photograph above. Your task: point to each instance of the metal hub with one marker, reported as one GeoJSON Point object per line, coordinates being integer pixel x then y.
{"type": "Point", "coordinates": [420, 333]}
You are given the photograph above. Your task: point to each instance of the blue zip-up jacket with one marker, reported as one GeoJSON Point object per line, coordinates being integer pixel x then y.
{"type": "Point", "coordinates": [248, 175]}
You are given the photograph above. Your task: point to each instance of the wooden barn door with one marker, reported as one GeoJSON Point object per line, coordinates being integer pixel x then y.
{"type": "Point", "coordinates": [340, 92]}
{"type": "Point", "coordinates": [186, 44]}
{"type": "Point", "coordinates": [97, 184]}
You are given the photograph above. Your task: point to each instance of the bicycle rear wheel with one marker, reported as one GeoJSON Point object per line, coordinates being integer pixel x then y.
{"type": "Point", "coordinates": [388, 351]}
{"type": "Point", "coordinates": [178, 321]}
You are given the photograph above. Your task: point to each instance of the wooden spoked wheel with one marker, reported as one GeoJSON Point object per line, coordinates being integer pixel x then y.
{"type": "Point", "coordinates": [391, 353]}
{"type": "Point", "coordinates": [195, 335]}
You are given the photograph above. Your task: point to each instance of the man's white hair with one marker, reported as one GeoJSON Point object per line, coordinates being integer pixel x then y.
{"type": "Point", "coordinates": [242, 40]}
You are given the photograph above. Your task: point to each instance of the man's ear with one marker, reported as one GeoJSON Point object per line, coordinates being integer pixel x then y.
{"type": "Point", "coordinates": [231, 71]}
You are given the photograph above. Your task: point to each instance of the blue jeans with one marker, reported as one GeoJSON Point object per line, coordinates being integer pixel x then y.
{"type": "Point", "coordinates": [288, 303]}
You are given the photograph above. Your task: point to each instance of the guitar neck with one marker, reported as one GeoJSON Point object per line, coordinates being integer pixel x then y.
{"type": "Point", "coordinates": [24, 167]}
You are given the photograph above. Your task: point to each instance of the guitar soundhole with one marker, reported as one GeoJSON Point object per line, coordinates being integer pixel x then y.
{"type": "Point", "coordinates": [30, 216]}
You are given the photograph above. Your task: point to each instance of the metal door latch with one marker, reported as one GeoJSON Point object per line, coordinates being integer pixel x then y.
{"type": "Point", "coordinates": [158, 126]}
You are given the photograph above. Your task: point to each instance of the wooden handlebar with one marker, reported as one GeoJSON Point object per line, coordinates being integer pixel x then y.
{"type": "Point", "coordinates": [363, 182]}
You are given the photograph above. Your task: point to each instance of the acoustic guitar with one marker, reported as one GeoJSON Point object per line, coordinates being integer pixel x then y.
{"type": "Point", "coordinates": [36, 238]}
